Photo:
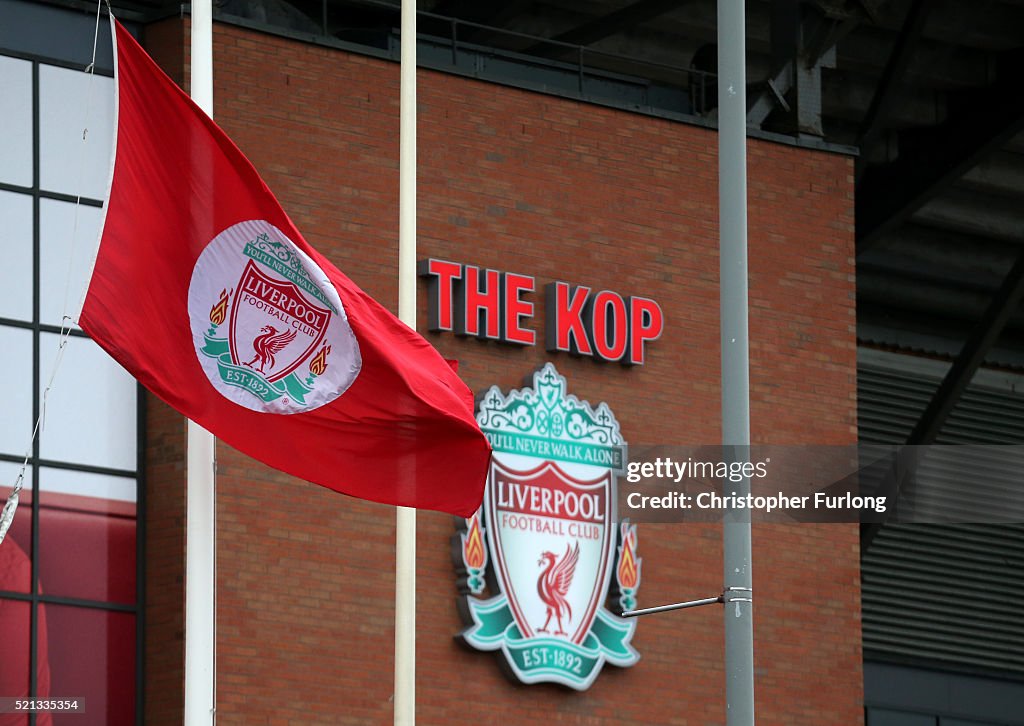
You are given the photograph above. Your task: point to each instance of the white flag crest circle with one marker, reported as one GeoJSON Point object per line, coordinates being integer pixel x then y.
{"type": "Point", "coordinates": [269, 329]}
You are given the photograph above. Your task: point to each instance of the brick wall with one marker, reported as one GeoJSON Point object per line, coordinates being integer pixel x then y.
{"type": "Point", "coordinates": [561, 190]}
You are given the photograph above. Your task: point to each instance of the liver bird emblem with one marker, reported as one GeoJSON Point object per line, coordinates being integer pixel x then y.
{"type": "Point", "coordinates": [268, 344]}
{"type": "Point", "coordinates": [553, 585]}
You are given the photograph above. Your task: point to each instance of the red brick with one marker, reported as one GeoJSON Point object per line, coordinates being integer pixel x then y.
{"type": "Point", "coordinates": [560, 190]}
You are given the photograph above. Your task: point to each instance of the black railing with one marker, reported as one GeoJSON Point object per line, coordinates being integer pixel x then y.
{"type": "Point", "coordinates": [488, 52]}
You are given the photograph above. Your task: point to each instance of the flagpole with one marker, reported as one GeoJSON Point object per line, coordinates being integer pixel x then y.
{"type": "Point", "coordinates": [200, 508]}
{"type": "Point", "coordinates": [732, 200]}
{"type": "Point", "coordinates": [405, 534]}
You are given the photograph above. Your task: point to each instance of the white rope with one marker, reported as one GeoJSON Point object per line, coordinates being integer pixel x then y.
{"type": "Point", "coordinates": [91, 70]}
{"type": "Point", "coordinates": [11, 506]}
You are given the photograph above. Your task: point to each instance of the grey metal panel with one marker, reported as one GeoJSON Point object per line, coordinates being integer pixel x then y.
{"type": "Point", "coordinates": [947, 594]}
{"type": "Point", "coordinates": [952, 698]}
{"type": "Point", "coordinates": [56, 33]}
{"type": "Point", "coordinates": [881, 717]}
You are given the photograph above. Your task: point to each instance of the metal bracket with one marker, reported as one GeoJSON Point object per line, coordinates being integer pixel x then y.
{"type": "Point", "coordinates": [738, 599]}
{"type": "Point", "coordinates": [694, 603]}
{"type": "Point", "coordinates": [674, 606]}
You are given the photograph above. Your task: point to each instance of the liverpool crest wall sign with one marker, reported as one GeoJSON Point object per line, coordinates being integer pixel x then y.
{"type": "Point", "coordinates": [543, 566]}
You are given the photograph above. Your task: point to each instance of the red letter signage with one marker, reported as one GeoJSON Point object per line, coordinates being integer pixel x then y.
{"type": "Point", "coordinates": [645, 323]}
{"type": "Point", "coordinates": [476, 299]}
{"type": "Point", "coordinates": [608, 325]}
{"type": "Point", "coordinates": [566, 331]}
{"type": "Point", "coordinates": [440, 275]}
{"type": "Point", "coordinates": [514, 309]}
{"type": "Point", "coordinates": [491, 305]}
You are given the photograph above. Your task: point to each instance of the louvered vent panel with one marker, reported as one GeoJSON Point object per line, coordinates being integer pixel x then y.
{"type": "Point", "coordinates": [952, 593]}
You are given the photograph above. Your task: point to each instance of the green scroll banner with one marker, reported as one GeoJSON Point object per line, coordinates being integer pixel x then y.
{"type": "Point", "coordinates": [248, 379]}
{"type": "Point", "coordinates": [547, 658]}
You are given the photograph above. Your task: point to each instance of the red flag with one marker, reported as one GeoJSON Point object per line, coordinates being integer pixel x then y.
{"type": "Point", "coordinates": [204, 291]}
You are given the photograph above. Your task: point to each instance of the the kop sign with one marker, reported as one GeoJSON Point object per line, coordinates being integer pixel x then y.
{"type": "Point", "coordinates": [492, 305]}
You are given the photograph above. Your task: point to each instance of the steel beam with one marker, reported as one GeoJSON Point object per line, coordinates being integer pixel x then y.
{"type": "Point", "coordinates": [931, 159]}
{"type": "Point", "coordinates": [985, 334]}
{"type": "Point", "coordinates": [798, 54]}
{"type": "Point", "coordinates": [892, 76]}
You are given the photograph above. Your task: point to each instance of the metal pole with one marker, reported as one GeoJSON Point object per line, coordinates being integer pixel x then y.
{"type": "Point", "coordinates": [200, 497]}
{"type": "Point", "coordinates": [732, 199]}
{"type": "Point", "coordinates": [405, 535]}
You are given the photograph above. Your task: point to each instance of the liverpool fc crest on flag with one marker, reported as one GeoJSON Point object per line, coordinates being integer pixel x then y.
{"type": "Point", "coordinates": [548, 519]}
{"type": "Point", "coordinates": [266, 341]}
